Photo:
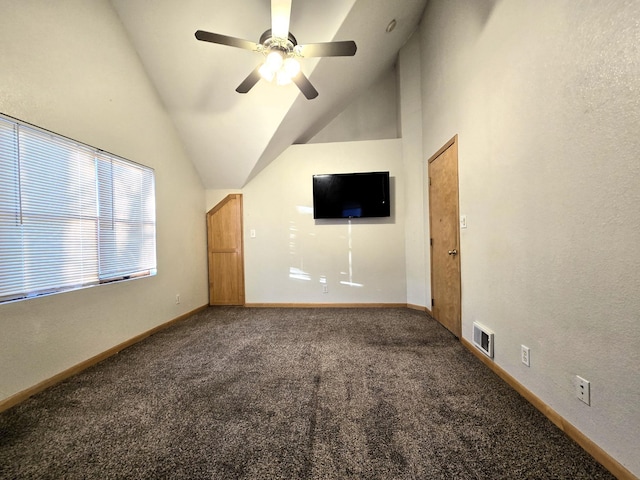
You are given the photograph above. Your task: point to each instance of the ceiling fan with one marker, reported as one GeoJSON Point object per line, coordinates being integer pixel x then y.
{"type": "Point", "coordinates": [281, 51]}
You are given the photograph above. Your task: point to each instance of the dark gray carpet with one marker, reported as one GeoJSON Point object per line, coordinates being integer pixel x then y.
{"type": "Point", "coordinates": [289, 393]}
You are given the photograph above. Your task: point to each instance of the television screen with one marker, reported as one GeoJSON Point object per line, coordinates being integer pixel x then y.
{"type": "Point", "coordinates": [351, 195]}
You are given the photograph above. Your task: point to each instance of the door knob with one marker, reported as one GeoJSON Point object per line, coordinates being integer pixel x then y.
{"type": "Point", "coordinates": [453, 252]}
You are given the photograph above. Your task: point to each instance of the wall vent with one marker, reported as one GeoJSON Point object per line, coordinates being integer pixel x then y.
{"type": "Point", "coordinates": [483, 339]}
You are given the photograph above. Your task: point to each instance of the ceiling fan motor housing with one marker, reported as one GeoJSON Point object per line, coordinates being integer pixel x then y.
{"type": "Point", "coordinates": [286, 47]}
{"type": "Point", "coordinates": [268, 40]}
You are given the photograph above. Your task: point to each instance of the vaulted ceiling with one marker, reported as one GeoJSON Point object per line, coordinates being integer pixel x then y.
{"type": "Point", "coordinates": [230, 137]}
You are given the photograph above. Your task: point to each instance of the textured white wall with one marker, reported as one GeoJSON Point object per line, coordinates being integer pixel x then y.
{"type": "Point", "coordinates": [545, 98]}
{"type": "Point", "coordinates": [68, 67]}
{"type": "Point", "coordinates": [372, 115]}
{"type": "Point", "coordinates": [213, 197]}
{"type": "Point", "coordinates": [292, 254]}
{"type": "Point", "coordinates": [415, 173]}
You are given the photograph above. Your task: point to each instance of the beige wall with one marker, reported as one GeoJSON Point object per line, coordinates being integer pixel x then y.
{"type": "Point", "coordinates": [67, 67]}
{"type": "Point", "coordinates": [213, 197]}
{"type": "Point", "coordinates": [292, 255]}
{"type": "Point", "coordinates": [416, 194]}
{"type": "Point", "coordinates": [372, 115]}
{"type": "Point", "coordinates": [544, 97]}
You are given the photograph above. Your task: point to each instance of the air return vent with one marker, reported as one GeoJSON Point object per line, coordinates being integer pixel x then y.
{"type": "Point", "coordinates": [483, 339]}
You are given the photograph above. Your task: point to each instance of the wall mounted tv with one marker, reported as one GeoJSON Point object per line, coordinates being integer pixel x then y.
{"type": "Point", "coordinates": [351, 195]}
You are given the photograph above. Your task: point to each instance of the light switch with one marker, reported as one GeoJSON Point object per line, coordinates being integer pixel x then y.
{"type": "Point", "coordinates": [252, 233]}
{"type": "Point", "coordinates": [463, 221]}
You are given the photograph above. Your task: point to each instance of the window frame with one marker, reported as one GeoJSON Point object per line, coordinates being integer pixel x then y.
{"type": "Point", "coordinates": [82, 248]}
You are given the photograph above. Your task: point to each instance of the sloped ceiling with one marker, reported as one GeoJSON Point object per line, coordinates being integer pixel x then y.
{"type": "Point", "coordinates": [231, 137]}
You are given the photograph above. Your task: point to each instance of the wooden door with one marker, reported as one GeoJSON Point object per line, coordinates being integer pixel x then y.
{"type": "Point", "coordinates": [445, 237]}
{"type": "Point", "coordinates": [225, 251]}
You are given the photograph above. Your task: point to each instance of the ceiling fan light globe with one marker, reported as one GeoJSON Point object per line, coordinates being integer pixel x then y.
{"type": "Point", "coordinates": [266, 72]}
{"type": "Point", "coordinates": [274, 60]}
{"type": "Point", "coordinates": [283, 78]}
{"type": "Point", "coordinates": [291, 66]}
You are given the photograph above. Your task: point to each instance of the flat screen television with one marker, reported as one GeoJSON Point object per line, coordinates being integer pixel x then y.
{"type": "Point", "coordinates": [351, 195]}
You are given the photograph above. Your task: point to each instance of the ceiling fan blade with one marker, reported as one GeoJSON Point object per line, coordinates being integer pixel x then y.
{"type": "Point", "coordinates": [248, 83]}
{"type": "Point", "coordinates": [225, 40]}
{"type": "Point", "coordinates": [280, 15]}
{"type": "Point", "coordinates": [305, 86]}
{"type": "Point", "coordinates": [330, 49]}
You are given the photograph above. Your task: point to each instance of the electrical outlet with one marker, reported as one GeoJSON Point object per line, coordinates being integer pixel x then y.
{"type": "Point", "coordinates": [525, 354]}
{"type": "Point", "coordinates": [325, 288]}
{"type": "Point", "coordinates": [583, 390]}
{"type": "Point", "coordinates": [177, 299]}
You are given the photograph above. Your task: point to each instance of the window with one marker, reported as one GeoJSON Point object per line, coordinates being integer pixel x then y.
{"type": "Point", "coordinates": [71, 216]}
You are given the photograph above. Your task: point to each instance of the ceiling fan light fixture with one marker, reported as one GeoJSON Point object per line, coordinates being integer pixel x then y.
{"type": "Point", "coordinates": [281, 51]}
{"type": "Point", "coordinates": [271, 65]}
{"type": "Point", "coordinates": [280, 68]}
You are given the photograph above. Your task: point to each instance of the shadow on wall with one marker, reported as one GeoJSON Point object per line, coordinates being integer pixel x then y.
{"type": "Point", "coordinates": [484, 8]}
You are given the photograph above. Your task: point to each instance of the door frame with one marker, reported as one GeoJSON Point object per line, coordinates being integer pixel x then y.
{"type": "Point", "coordinates": [452, 143]}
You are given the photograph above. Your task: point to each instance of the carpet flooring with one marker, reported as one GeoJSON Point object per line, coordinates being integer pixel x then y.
{"type": "Point", "coordinates": [235, 393]}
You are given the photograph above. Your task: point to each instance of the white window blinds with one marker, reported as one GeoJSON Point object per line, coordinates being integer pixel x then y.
{"type": "Point", "coordinates": [70, 216]}
{"type": "Point", "coordinates": [127, 218]}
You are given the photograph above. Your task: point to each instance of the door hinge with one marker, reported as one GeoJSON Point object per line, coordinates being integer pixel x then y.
{"type": "Point", "coordinates": [433, 302]}
{"type": "Point", "coordinates": [431, 242]}
{"type": "Point", "coordinates": [429, 180]}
